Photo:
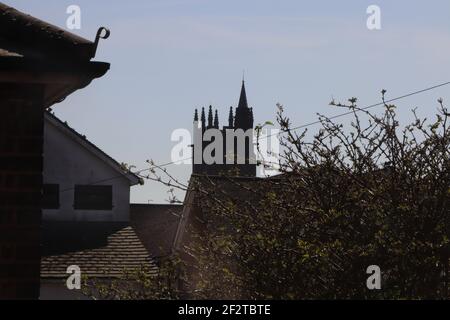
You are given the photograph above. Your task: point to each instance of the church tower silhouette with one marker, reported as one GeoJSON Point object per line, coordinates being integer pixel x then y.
{"type": "Point", "coordinates": [238, 159]}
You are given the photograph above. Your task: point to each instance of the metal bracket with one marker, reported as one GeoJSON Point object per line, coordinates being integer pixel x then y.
{"type": "Point", "coordinates": [102, 33]}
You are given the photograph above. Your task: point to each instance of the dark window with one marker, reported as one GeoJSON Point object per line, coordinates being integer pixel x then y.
{"type": "Point", "coordinates": [93, 198]}
{"type": "Point", "coordinates": [50, 196]}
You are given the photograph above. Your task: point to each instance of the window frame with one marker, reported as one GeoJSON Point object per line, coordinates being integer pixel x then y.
{"type": "Point", "coordinates": [89, 204]}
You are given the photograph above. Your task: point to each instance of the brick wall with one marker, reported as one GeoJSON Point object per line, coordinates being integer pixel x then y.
{"type": "Point", "coordinates": [21, 143]}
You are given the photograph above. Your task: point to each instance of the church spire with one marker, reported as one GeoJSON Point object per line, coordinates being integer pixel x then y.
{"type": "Point", "coordinates": [240, 117]}
{"type": "Point", "coordinates": [231, 118]}
{"type": "Point", "coordinates": [243, 98]}
{"type": "Point", "coordinates": [203, 118]}
{"type": "Point", "coordinates": [243, 118]}
{"type": "Point", "coordinates": [210, 117]}
{"type": "Point", "coordinates": [196, 115]}
{"type": "Point", "coordinates": [216, 120]}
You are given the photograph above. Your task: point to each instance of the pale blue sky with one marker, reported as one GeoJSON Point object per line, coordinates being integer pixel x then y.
{"type": "Point", "coordinates": [168, 57]}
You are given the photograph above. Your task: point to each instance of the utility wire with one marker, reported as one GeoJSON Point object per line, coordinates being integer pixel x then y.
{"type": "Point", "coordinates": [136, 173]}
{"type": "Point", "coordinates": [293, 129]}
{"type": "Point", "coordinates": [365, 108]}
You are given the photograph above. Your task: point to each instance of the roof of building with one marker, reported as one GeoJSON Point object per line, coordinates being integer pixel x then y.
{"type": "Point", "coordinates": [100, 249]}
{"type": "Point", "coordinates": [6, 53]}
{"type": "Point", "coordinates": [32, 37]}
{"type": "Point", "coordinates": [133, 178]}
{"type": "Point", "coordinates": [34, 51]}
{"type": "Point", "coordinates": [239, 189]}
{"type": "Point", "coordinates": [156, 226]}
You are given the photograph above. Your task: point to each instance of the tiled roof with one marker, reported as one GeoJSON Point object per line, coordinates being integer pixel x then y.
{"type": "Point", "coordinates": [35, 38]}
{"type": "Point", "coordinates": [156, 226]}
{"type": "Point", "coordinates": [35, 51]}
{"type": "Point", "coordinates": [100, 249]}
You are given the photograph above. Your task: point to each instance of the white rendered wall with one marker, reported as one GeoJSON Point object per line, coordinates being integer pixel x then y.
{"type": "Point", "coordinates": [67, 163]}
